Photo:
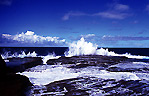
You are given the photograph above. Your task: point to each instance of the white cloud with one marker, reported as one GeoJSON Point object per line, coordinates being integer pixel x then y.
{"type": "Point", "coordinates": [123, 38]}
{"type": "Point", "coordinates": [88, 35]}
{"type": "Point", "coordinates": [29, 33]}
{"type": "Point", "coordinates": [112, 15]}
{"type": "Point", "coordinates": [147, 8]}
{"type": "Point", "coordinates": [121, 7]}
{"type": "Point", "coordinates": [70, 14]}
{"type": "Point", "coordinates": [31, 38]}
{"type": "Point", "coordinates": [117, 11]}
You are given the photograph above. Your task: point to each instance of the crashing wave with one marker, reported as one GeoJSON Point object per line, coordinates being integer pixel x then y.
{"type": "Point", "coordinates": [22, 55]}
{"type": "Point", "coordinates": [33, 54]}
{"type": "Point", "coordinates": [81, 47]}
{"type": "Point", "coordinates": [49, 56]}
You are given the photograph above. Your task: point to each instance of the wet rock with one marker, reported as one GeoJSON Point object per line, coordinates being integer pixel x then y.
{"type": "Point", "coordinates": [3, 67]}
{"type": "Point", "coordinates": [86, 86]}
{"type": "Point", "coordinates": [118, 69]}
{"type": "Point", "coordinates": [13, 84]}
{"type": "Point", "coordinates": [88, 60]}
{"type": "Point", "coordinates": [21, 64]}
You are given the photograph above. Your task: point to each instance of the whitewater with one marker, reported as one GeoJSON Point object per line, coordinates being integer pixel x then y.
{"type": "Point", "coordinates": [76, 48]}
{"type": "Point", "coordinates": [42, 75]}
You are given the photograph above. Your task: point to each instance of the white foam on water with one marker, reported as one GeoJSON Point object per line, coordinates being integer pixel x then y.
{"type": "Point", "coordinates": [49, 56]}
{"type": "Point", "coordinates": [51, 73]}
{"type": "Point", "coordinates": [132, 65]}
{"type": "Point", "coordinates": [81, 47]}
{"type": "Point", "coordinates": [22, 55]}
{"type": "Point", "coordinates": [143, 76]}
{"type": "Point", "coordinates": [33, 54]}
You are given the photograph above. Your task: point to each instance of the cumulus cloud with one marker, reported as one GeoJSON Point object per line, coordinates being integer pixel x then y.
{"type": "Point", "coordinates": [123, 38]}
{"type": "Point", "coordinates": [117, 11]}
{"type": "Point", "coordinates": [30, 38]}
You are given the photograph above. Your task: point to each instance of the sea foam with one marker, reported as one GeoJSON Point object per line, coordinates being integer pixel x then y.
{"type": "Point", "coordinates": [82, 47]}
{"type": "Point", "coordinates": [22, 55]}
{"type": "Point", "coordinates": [49, 56]}
{"type": "Point", "coordinates": [45, 74]}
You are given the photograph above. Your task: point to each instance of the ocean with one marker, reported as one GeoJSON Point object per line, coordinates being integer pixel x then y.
{"type": "Point", "coordinates": [83, 70]}
{"type": "Point", "coordinates": [59, 51]}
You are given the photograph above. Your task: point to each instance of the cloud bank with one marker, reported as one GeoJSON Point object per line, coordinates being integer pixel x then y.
{"type": "Point", "coordinates": [29, 38]}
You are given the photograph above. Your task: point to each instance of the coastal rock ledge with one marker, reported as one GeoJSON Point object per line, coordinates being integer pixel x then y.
{"type": "Point", "coordinates": [12, 84]}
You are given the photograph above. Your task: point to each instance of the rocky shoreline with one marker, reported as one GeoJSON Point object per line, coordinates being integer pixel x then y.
{"type": "Point", "coordinates": [86, 85]}
{"type": "Point", "coordinates": [13, 84]}
{"type": "Point", "coordinates": [96, 86]}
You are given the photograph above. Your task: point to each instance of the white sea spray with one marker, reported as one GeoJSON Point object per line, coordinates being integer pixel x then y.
{"type": "Point", "coordinates": [82, 47]}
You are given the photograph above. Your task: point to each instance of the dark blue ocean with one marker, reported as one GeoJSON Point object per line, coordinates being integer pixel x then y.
{"type": "Point", "coordinates": [43, 51]}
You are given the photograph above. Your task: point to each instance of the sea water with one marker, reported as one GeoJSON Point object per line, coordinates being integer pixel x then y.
{"type": "Point", "coordinates": [45, 74]}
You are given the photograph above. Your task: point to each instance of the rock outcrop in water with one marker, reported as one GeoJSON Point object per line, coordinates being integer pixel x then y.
{"type": "Point", "coordinates": [93, 86]}
{"type": "Point", "coordinates": [21, 64]}
{"type": "Point", "coordinates": [94, 75]}
{"type": "Point", "coordinates": [12, 84]}
{"type": "Point", "coordinates": [2, 67]}
{"type": "Point", "coordinates": [88, 60]}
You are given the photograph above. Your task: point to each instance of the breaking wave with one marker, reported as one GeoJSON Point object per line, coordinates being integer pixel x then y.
{"type": "Point", "coordinates": [49, 56]}
{"type": "Point", "coordinates": [33, 54]}
{"type": "Point", "coordinates": [81, 47]}
{"type": "Point", "coordinates": [22, 55]}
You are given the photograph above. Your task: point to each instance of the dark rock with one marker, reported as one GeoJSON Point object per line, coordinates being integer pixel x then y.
{"type": "Point", "coordinates": [118, 69]}
{"type": "Point", "coordinates": [3, 67]}
{"type": "Point", "coordinates": [13, 84]}
{"type": "Point", "coordinates": [21, 64]}
{"type": "Point", "coordinates": [88, 60]}
{"type": "Point", "coordinates": [86, 86]}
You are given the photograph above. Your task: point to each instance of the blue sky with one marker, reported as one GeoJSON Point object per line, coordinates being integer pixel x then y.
{"type": "Point", "coordinates": [108, 23]}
